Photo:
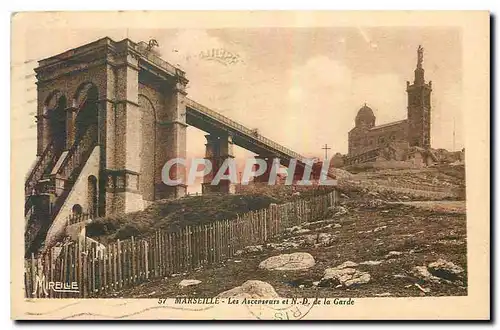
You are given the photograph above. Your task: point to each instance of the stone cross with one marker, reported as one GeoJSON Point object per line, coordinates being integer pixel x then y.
{"type": "Point", "coordinates": [326, 148]}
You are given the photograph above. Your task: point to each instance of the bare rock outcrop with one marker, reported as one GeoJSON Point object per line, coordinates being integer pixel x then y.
{"type": "Point", "coordinates": [185, 283]}
{"type": "Point", "coordinates": [282, 246]}
{"type": "Point", "coordinates": [422, 273]}
{"type": "Point", "coordinates": [344, 275]}
{"type": "Point", "coordinates": [292, 261]}
{"type": "Point", "coordinates": [253, 248]}
{"type": "Point", "coordinates": [318, 239]}
{"type": "Point", "coordinates": [439, 271]}
{"type": "Point", "coordinates": [445, 269]}
{"type": "Point", "coordinates": [347, 264]}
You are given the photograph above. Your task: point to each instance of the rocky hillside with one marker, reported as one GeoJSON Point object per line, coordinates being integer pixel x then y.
{"type": "Point", "coordinates": [367, 247]}
{"type": "Point", "coordinates": [443, 182]}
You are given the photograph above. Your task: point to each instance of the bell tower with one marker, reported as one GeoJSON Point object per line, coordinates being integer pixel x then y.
{"type": "Point", "coordinates": [419, 106]}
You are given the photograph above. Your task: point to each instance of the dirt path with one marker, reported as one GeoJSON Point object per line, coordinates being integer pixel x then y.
{"type": "Point", "coordinates": [440, 206]}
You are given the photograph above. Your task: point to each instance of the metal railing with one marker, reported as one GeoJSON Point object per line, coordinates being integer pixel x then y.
{"type": "Point", "coordinates": [78, 152]}
{"type": "Point", "coordinates": [248, 132]}
{"type": "Point", "coordinates": [141, 48]}
{"type": "Point", "coordinates": [242, 129]}
{"type": "Point", "coordinates": [76, 218]}
{"type": "Point", "coordinates": [46, 158]}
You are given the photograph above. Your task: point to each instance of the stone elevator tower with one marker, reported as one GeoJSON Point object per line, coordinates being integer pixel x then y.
{"type": "Point", "coordinates": [110, 115]}
{"type": "Point", "coordinates": [419, 106]}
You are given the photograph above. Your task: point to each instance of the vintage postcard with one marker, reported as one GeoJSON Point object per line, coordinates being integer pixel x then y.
{"type": "Point", "coordinates": [250, 165]}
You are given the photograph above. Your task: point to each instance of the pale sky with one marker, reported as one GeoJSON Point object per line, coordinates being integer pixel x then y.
{"type": "Point", "coordinates": [301, 87]}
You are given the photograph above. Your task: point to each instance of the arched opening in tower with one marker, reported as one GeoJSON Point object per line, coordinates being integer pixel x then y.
{"type": "Point", "coordinates": [87, 113]}
{"type": "Point", "coordinates": [57, 125]}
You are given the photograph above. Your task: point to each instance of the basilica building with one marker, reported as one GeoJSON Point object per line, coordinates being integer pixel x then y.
{"type": "Point", "coordinates": [399, 140]}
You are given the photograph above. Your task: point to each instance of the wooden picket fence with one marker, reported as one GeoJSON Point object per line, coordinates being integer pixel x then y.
{"type": "Point", "coordinates": [98, 271]}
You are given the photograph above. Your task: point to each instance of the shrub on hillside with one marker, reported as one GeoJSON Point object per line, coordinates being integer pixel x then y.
{"type": "Point", "coordinates": [173, 215]}
{"type": "Point", "coordinates": [127, 231]}
{"type": "Point", "coordinates": [101, 227]}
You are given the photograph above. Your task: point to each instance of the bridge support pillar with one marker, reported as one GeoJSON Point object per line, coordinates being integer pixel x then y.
{"type": "Point", "coordinates": [218, 149]}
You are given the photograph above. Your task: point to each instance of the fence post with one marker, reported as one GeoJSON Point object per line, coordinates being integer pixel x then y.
{"type": "Point", "coordinates": [162, 253]}
{"type": "Point", "coordinates": [120, 263]}
{"type": "Point", "coordinates": [154, 252]}
{"type": "Point", "coordinates": [115, 266]}
{"type": "Point", "coordinates": [105, 253]}
{"type": "Point", "coordinates": [187, 256]}
{"type": "Point", "coordinates": [217, 241]}
{"type": "Point", "coordinates": [84, 273]}
{"type": "Point", "coordinates": [134, 260]}
{"type": "Point", "coordinates": [158, 253]}
{"type": "Point", "coordinates": [205, 245]}
{"type": "Point", "coordinates": [146, 266]}
{"type": "Point", "coordinates": [95, 275]}
{"type": "Point", "coordinates": [195, 243]}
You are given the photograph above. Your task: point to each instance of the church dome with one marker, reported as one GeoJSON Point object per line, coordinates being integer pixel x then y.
{"type": "Point", "coordinates": [365, 117]}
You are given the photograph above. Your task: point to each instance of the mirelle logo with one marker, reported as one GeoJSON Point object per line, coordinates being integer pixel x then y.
{"type": "Point", "coordinates": [45, 286]}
